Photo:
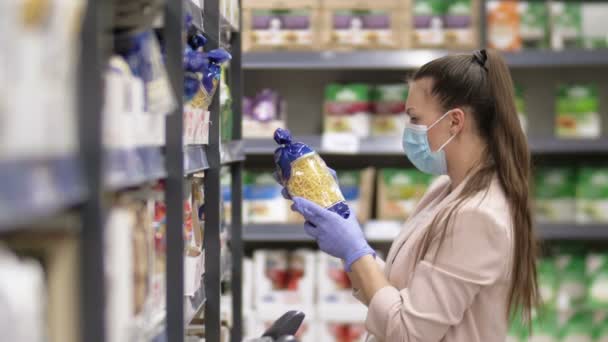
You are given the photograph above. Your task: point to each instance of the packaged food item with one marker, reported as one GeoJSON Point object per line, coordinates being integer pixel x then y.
{"type": "Point", "coordinates": [592, 195]}
{"type": "Point", "coordinates": [347, 109]}
{"type": "Point", "coordinates": [601, 331]}
{"type": "Point", "coordinates": [578, 329]}
{"type": "Point", "coordinates": [578, 111]}
{"type": "Point", "coordinates": [283, 280]}
{"type": "Point", "coordinates": [534, 24]}
{"type": "Point", "coordinates": [462, 23]}
{"type": "Point", "coordinates": [555, 193]}
{"type": "Point", "coordinates": [263, 202]}
{"type": "Point", "coordinates": [593, 23]}
{"type": "Point", "coordinates": [548, 282]}
{"type": "Point", "coordinates": [389, 116]}
{"type": "Point", "coordinates": [264, 114]}
{"type": "Point", "coordinates": [360, 24]}
{"type": "Point", "coordinates": [503, 25]}
{"type": "Point", "coordinates": [399, 191]}
{"type": "Point", "coordinates": [292, 25]}
{"type": "Point", "coordinates": [521, 107]}
{"type": "Point", "coordinates": [572, 290]}
{"type": "Point", "coordinates": [357, 188]}
{"type": "Point", "coordinates": [566, 30]}
{"type": "Point", "coordinates": [226, 115]}
{"type": "Point", "coordinates": [226, 184]}
{"type": "Point", "coordinates": [304, 174]}
{"type": "Point", "coordinates": [330, 331]}
{"type": "Point", "coordinates": [598, 288]}
{"type": "Point", "coordinates": [429, 26]}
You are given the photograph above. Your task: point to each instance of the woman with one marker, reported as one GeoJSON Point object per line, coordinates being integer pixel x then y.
{"type": "Point", "coordinates": [465, 260]}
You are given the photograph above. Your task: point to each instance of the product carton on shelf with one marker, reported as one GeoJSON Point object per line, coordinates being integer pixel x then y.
{"type": "Point", "coordinates": [280, 25]}
{"type": "Point", "coordinates": [594, 25]}
{"type": "Point", "coordinates": [578, 108]}
{"type": "Point", "coordinates": [264, 114]}
{"type": "Point", "coordinates": [399, 191]}
{"type": "Point", "coordinates": [592, 196]}
{"type": "Point", "coordinates": [263, 202]}
{"type": "Point", "coordinates": [347, 109]}
{"type": "Point", "coordinates": [284, 281]}
{"type": "Point", "coordinates": [329, 331]}
{"type": "Point", "coordinates": [264, 318]}
{"type": "Point", "coordinates": [336, 302]}
{"type": "Point", "coordinates": [357, 186]}
{"type": "Point", "coordinates": [534, 24]}
{"type": "Point", "coordinates": [389, 116]}
{"type": "Point", "coordinates": [462, 24]}
{"type": "Point", "coordinates": [503, 25]}
{"type": "Point", "coordinates": [554, 195]}
{"type": "Point", "coordinates": [428, 19]}
{"type": "Point", "coordinates": [361, 25]}
{"type": "Point", "coordinates": [566, 25]}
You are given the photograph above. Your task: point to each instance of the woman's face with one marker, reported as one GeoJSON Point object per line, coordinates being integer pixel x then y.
{"type": "Point", "coordinates": [424, 109]}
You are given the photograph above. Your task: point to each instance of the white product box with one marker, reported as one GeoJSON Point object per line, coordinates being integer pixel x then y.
{"type": "Point", "coordinates": [328, 331]}
{"type": "Point", "coordinates": [266, 317]}
{"type": "Point", "coordinates": [284, 280]}
{"type": "Point", "coordinates": [336, 302]}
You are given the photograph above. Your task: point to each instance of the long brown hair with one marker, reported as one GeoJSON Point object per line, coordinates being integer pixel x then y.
{"type": "Point", "coordinates": [482, 83]}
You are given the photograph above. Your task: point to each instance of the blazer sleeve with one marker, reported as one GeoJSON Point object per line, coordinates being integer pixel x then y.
{"type": "Point", "coordinates": [357, 293]}
{"type": "Point", "coordinates": [474, 254]}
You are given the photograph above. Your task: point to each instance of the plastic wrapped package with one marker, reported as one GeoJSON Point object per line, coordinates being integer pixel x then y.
{"type": "Point", "coordinates": [264, 114]}
{"type": "Point", "coordinates": [503, 25]}
{"type": "Point", "coordinates": [578, 107]}
{"type": "Point", "coordinates": [304, 174]}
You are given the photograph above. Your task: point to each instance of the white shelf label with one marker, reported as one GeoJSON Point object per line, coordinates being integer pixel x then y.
{"type": "Point", "coordinates": [340, 143]}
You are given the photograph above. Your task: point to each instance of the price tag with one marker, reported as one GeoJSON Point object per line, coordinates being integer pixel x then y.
{"type": "Point", "coordinates": [340, 143]}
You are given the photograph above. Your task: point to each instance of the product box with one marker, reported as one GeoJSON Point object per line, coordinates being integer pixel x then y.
{"type": "Point", "coordinates": [266, 317]}
{"type": "Point", "coordinates": [573, 284]}
{"type": "Point", "coordinates": [290, 25]}
{"type": "Point", "coordinates": [548, 282]}
{"type": "Point", "coordinates": [534, 24]}
{"type": "Point", "coordinates": [520, 106]}
{"type": "Point", "coordinates": [389, 116]}
{"type": "Point", "coordinates": [503, 25]}
{"type": "Point", "coordinates": [597, 270]}
{"type": "Point", "coordinates": [592, 195]}
{"type": "Point", "coordinates": [284, 281]}
{"type": "Point", "coordinates": [594, 25]}
{"type": "Point", "coordinates": [358, 190]}
{"type": "Point", "coordinates": [579, 328]}
{"type": "Point", "coordinates": [355, 25]}
{"type": "Point", "coordinates": [429, 23]}
{"type": "Point", "coordinates": [578, 111]}
{"type": "Point", "coordinates": [335, 294]}
{"type": "Point", "coordinates": [462, 24]}
{"type": "Point", "coordinates": [262, 199]}
{"type": "Point", "coordinates": [347, 109]}
{"type": "Point", "coordinates": [399, 191]}
{"type": "Point", "coordinates": [555, 193]}
{"type": "Point", "coordinates": [264, 114]}
{"type": "Point", "coordinates": [566, 25]}
{"type": "Point", "coordinates": [329, 331]}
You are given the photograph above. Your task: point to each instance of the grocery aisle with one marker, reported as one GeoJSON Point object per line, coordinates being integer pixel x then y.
{"type": "Point", "coordinates": [117, 127]}
{"type": "Point", "coordinates": [333, 74]}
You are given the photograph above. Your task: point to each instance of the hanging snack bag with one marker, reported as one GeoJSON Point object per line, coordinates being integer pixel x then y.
{"type": "Point", "coordinates": [555, 194]}
{"type": "Point", "coordinates": [578, 111]}
{"type": "Point", "coordinates": [592, 195]}
{"type": "Point", "coordinates": [534, 24]}
{"type": "Point", "coordinates": [348, 24]}
{"type": "Point", "coordinates": [347, 109]}
{"type": "Point", "coordinates": [270, 24]}
{"type": "Point", "coordinates": [503, 25]}
{"type": "Point", "coordinates": [304, 174]}
{"type": "Point", "coordinates": [461, 23]}
{"type": "Point", "coordinates": [389, 110]}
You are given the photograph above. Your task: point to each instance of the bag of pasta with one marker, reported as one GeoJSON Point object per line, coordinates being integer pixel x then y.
{"type": "Point", "coordinates": [304, 174]}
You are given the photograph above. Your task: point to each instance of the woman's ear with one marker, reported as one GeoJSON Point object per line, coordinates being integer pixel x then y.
{"type": "Point", "coordinates": [457, 119]}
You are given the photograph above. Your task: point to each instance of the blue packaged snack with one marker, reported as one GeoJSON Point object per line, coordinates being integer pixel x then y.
{"type": "Point", "coordinates": [304, 174]}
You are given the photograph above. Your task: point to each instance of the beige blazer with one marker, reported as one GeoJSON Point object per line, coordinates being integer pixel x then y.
{"type": "Point", "coordinates": [462, 295]}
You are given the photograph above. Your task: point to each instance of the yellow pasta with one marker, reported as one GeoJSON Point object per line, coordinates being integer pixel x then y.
{"type": "Point", "coordinates": [310, 179]}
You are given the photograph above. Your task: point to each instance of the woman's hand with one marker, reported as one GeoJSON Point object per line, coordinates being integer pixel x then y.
{"type": "Point", "coordinates": [336, 236]}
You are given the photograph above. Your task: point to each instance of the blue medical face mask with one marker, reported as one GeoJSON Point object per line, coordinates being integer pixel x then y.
{"type": "Point", "coordinates": [418, 150]}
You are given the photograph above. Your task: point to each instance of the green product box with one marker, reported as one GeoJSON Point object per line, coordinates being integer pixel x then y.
{"type": "Point", "coordinates": [592, 195]}
{"type": "Point", "coordinates": [555, 192]}
{"type": "Point", "coordinates": [429, 23]}
{"type": "Point", "coordinates": [545, 327]}
{"type": "Point", "coordinates": [548, 282]}
{"type": "Point", "coordinates": [579, 328]}
{"type": "Point", "coordinates": [566, 22]}
{"type": "Point", "coordinates": [597, 297]}
{"type": "Point", "coordinates": [534, 24]}
{"type": "Point", "coordinates": [520, 106]}
{"type": "Point", "coordinates": [348, 109]}
{"type": "Point", "coordinates": [594, 16]}
{"type": "Point", "coordinates": [573, 285]}
{"type": "Point", "coordinates": [399, 191]}
{"type": "Point", "coordinates": [578, 111]}
{"type": "Point", "coordinates": [389, 110]}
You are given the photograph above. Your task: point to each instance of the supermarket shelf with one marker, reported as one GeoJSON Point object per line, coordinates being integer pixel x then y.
{"type": "Point", "coordinates": [392, 146]}
{"type": "Point", "coordinates": [275, 232]}
{"type": "Point", "coordinates": [192, 305]}
{"type": "Point", "coordinates": [572, 231]}
{"type": "Point", "coordinates": [31, 190]}
{"type": "Point", "coordinates": [233, 151]}
{"type": "Point", "coordinates": [193, 7]}
{"type": "Point", "coordinates": [410, 59]}
{"type": "Point", "coordinates": [125, 168]}
{"type": "Point", "coordinates": [195, 159]}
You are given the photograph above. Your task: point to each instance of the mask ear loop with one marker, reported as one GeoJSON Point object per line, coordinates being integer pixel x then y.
{"type": "Point", "coordinates": [450, 139]}
{"type": "Point", "coordinates": [446, 143]}
{"type": "Point", "coordinates": [441, 118]}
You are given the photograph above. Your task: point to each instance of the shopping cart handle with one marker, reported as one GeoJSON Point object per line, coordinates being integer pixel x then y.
{"type": "Point", "coordinates": [285, 326]}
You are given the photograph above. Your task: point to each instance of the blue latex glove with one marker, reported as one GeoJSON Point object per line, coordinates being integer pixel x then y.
{"type": "Point", "coordinates": [337, 236]}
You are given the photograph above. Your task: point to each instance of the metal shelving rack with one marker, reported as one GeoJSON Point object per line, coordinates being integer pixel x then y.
{"type": "Point", "coordinates": [94, 172]}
